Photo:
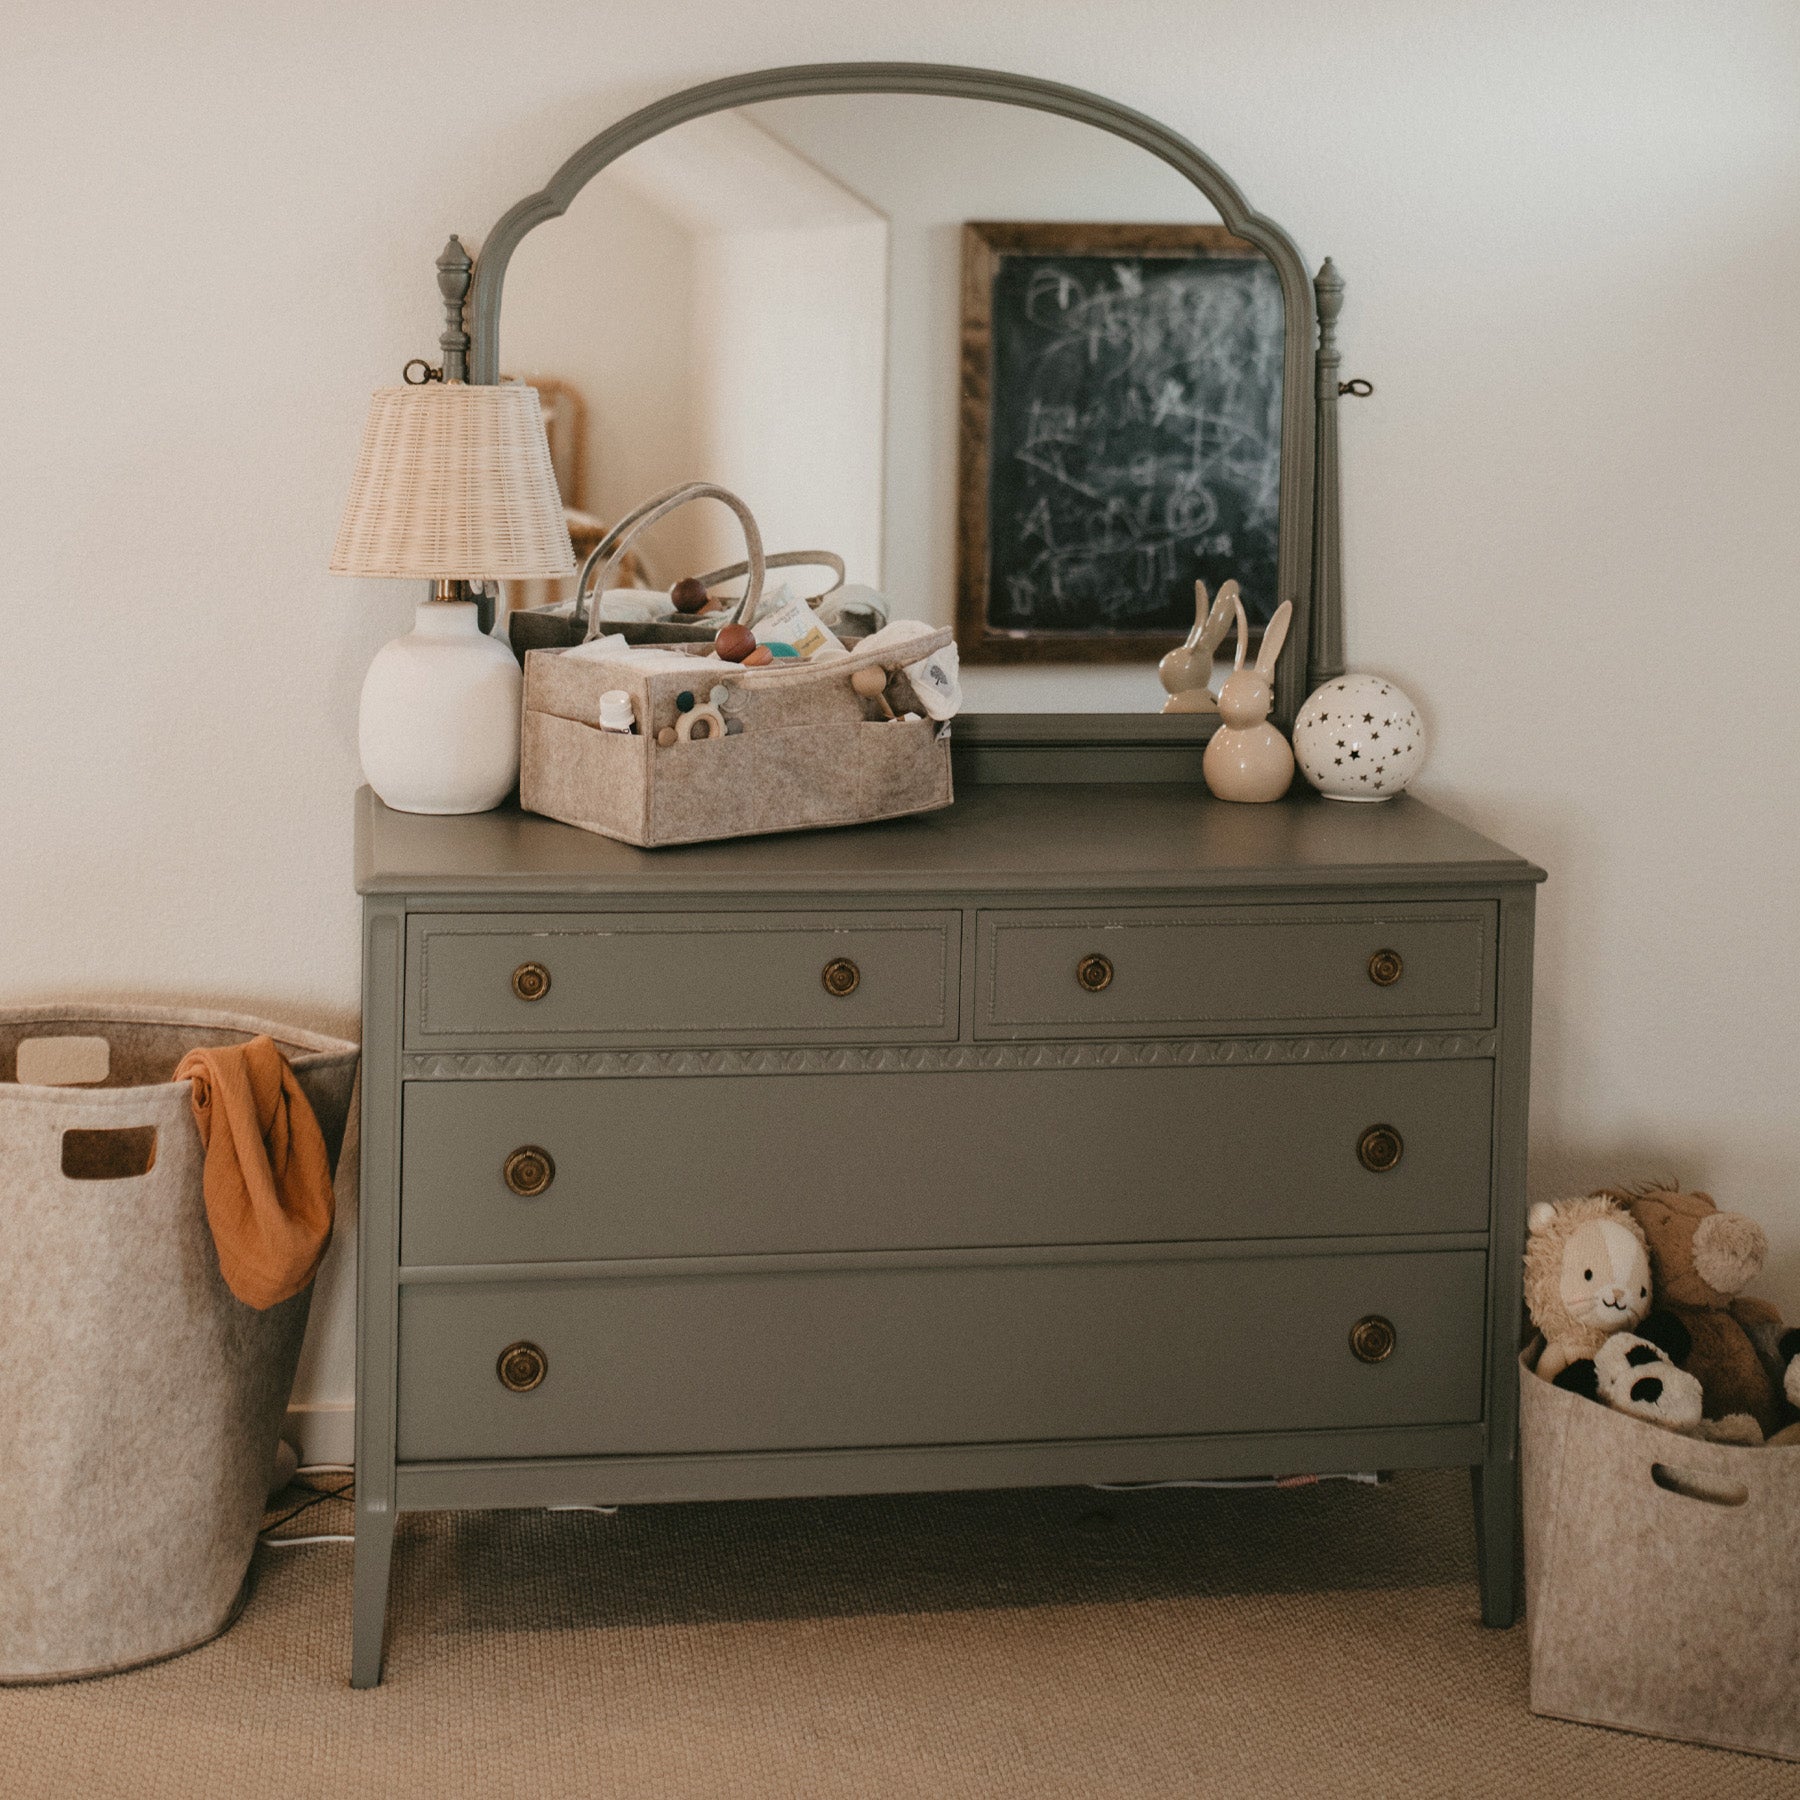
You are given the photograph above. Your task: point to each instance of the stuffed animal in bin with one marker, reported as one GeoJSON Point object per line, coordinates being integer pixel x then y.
{"type": "Point", "coordinates": [1745, 1359]}
{"type": "Point", "coordinates": [1587, 1281]}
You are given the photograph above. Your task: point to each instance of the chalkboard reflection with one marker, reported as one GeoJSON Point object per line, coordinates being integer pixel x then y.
{"type": "Point", "coordinates": [1121, 436]}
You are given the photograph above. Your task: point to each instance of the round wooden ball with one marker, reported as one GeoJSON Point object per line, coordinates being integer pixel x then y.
{"type": "Point", "coordinates": [735, 642]}
{"type": "Point", "coordinates": [870, 681]}
{"type": "Point", "coordinates": [689, 595]}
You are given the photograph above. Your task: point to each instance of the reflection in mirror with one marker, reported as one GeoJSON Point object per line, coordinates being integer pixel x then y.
{"type": "Point", "coordinates": [773, 299]}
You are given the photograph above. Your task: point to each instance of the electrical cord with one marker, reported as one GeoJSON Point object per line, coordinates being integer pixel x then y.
{"type": "Point", "coordinates": [321, 1495]}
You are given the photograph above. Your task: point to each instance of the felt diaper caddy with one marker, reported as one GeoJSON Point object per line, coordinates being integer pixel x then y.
{"type": "Point", "coordinates": [714, 749]}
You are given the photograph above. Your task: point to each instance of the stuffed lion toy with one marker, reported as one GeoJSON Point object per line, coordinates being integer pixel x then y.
{"type": "Point", "coordinates": [1587, 1282]}
{"type": "Point", "coordinates": [1587, 1275]}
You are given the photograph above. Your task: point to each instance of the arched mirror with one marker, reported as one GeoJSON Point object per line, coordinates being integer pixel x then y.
{"type": "Point", "coordinates": [1025, 360]}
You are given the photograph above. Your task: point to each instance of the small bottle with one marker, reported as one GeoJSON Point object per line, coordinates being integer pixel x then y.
{"type": "Point", "coordinates": [615, 711]}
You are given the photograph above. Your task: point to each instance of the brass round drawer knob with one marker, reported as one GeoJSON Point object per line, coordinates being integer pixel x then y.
{"type": "Point", "coordinates": [1094, 973]}
{"type": "Point", "coordinates": [1380, 1149]}
{"type": "Point", "coordinates": [1372, 1339]}
{"type": "Point", "coordinates": [521, 1367]}
{"type": "Point", "coordinates": [529, 1171]}
{"type": "Point", "coordinates": [531, 981]}
{"type": "Point", "coordinates": [841, 977]}
{"type": "Point", "coordinates": [1385, 968]}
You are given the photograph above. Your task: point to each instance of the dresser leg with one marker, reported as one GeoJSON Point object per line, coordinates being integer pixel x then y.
{"type": "Point", "coordinates": [374, 1554]}
{"type": "Point", "coordinates": [1496, 1492]}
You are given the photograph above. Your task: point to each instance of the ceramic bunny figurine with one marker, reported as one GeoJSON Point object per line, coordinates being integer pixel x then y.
{"type": "Point", "coordinates": [1247, 758]}
{"type": "Point", "coordinates": [1187, 671]}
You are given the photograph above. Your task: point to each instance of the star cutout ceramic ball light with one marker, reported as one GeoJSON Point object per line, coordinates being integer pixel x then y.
{"type": "Point", "coordinates": [1359, 738]}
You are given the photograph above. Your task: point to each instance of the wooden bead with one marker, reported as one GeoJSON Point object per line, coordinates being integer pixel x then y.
{"type": "Point", "coordinates": [758, 658]}
{"type": "Point", "coordinates": [735, 642]}
{"type": "Point", "coordinates": [666, 736]}
{"type": "Point", "coordinates": [689, 595]}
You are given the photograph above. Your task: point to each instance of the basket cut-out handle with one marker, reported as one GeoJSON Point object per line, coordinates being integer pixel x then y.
{"type": "Point", "coordinates": [62, 1061]}
{"type": "Point", "coordinates": [611, 547]}
{"type": "Point", "coordinates": [114, 1153]}
{"type": "Point", "coordinates": [1715, 1490]}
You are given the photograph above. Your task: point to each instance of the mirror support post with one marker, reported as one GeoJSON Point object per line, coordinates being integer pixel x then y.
{"type": "Point", "coordinates": [455, 273]}
{"type": "Point", "coordinates": [1325, 640]}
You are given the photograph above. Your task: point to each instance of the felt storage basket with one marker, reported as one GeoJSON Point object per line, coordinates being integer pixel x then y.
{"type": "Point", "coordinates": [1662, 1576]}
{"type": "Point", "coordinates": [142, 1401]}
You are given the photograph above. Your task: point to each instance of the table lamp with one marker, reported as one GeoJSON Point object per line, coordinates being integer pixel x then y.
{"type": "Point", "coordinates": [454, 483]}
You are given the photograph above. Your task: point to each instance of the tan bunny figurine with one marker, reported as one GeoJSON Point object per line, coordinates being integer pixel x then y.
{"type": "Point", "coordinates": [1247, 758]}
{"type": "Point", "coordinates": [1187, 672]}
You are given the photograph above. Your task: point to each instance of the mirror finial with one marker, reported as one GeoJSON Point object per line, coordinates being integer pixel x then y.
{"type": "Point", "coordinates": [456, 269]}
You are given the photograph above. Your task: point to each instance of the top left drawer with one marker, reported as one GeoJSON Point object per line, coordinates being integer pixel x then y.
{"type": "Point", "coordinates": [562, 980]}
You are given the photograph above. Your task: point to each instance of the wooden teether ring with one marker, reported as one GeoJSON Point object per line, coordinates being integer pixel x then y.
{"type": "Point", "coordinates": [709, 716]}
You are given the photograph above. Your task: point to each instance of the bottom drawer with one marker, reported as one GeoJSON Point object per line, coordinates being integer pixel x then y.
{"type": "Point", "coordinates": [975, 1351]}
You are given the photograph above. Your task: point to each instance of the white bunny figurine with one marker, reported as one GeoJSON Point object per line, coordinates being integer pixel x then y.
{"type": "Point", "coordinates": [1187, 672]}
{"type": "Point", "coordinates": [1247, 758]}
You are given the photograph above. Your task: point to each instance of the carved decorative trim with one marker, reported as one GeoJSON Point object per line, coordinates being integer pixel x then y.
{"type": "Point", "coordinates": [909, 1059]}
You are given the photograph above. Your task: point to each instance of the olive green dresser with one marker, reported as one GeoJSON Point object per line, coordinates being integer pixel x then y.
{"type": "Point", "coordinates": [1081, 1132]}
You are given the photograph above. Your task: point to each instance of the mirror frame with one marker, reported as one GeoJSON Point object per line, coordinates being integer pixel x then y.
{"type": "Point", "coordinates": [1308, 552]}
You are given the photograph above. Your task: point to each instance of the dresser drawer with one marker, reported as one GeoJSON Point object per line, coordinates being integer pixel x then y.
{"type": "Point", "coordinates": [687, 1166]}
{"type": "Point", "coordinates": [1131, 973]}
{"type": "Point", "coordinates": [564, 979]}
{"type": "Point", "coordinates": [978, 1352]}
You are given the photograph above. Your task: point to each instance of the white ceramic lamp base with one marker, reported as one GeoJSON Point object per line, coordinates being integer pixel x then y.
{"type": "Point", "coordinates": [439, 725]}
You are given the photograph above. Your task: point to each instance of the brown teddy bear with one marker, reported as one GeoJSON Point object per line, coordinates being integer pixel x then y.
{"type": "Point", "coordinates": [1700, 1259]}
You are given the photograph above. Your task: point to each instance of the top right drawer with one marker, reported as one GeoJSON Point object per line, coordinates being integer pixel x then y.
{"type": "Point", "coordinates": [1058, 973]}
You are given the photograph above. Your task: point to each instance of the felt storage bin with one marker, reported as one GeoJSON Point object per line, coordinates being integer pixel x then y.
{"type": "Point", "coordinates": [1662, 1576]}
{"type": "Point", "coordinates": [142, 1401]}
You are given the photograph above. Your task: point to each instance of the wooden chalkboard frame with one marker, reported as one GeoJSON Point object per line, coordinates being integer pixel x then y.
{"type": "Point", "coordinates": [1309, 550]}
{"type": "Point", "coordinates": [984, 243]}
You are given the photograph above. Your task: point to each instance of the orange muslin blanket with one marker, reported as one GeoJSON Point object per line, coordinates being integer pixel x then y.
{"type": "Point", "coordinates": [268, 1176]}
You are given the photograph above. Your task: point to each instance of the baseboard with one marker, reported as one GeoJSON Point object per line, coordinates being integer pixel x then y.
{"type": "Point", "coordinates": [323, 1431]}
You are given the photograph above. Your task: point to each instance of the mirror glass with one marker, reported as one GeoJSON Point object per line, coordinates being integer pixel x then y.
{"type": "Point", "coordinates": [989, 356]}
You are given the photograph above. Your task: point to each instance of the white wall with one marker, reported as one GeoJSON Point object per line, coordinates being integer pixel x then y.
{"type": "Point", "coordinates": [1570, 238]}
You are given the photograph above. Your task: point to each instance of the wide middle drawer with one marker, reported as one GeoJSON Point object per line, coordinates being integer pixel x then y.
{"type": "Point", "coordinates": [637, 1166]}
{"type": "Point", "coordinates": [479, 979]}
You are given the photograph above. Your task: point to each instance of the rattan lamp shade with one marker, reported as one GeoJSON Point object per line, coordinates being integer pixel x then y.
{"type": "Point", "coordinates": [454, 483]}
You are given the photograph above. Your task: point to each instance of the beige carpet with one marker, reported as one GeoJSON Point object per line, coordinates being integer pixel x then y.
{"type": "Point", "coordinates": [1067, 1642]}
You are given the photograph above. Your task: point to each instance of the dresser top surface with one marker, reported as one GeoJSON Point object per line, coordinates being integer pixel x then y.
{"type": "Point", "coordinates": [1000, 837]}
